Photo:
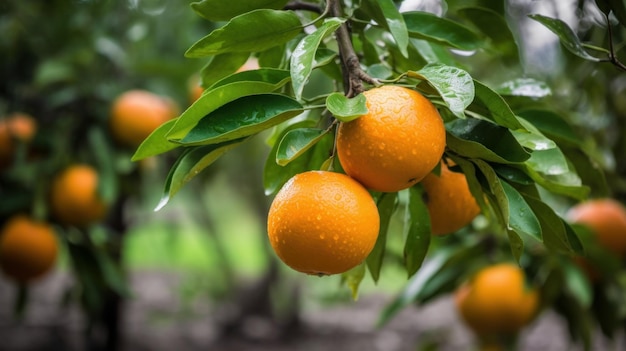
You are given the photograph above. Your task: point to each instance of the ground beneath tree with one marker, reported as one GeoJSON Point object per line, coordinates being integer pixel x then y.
{"type": "Point", "coordinates": [156, 320]}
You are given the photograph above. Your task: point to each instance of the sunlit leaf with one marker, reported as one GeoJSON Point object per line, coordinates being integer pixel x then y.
{"type": "Point", "coordinates": [427, 26]}
{"type": "Point", "coordinates": [566, 35]}
{"type": "Point", "coordinates": [303, 56]}
{"type": "Point", "coordinates": [394, 22]}
{"type": "Point", "coordinates": [224, 91]}
{"type": "Point", "coordinates": [454, 85]}
{"type": "Point", "coordinates": [253, 31]}
{"type": "Point", "coordinates": [386, 206]}
{"type": "Point", "coordinates": [417, 229]}
{"type": "Point", "coordinates": [346, 109]}
{"type": "Point", "coordinates": [220, 10]}
{"type": "Point", "coordinates": [245, 116]}
{"type": "Point", "coordinates": [296, 142]}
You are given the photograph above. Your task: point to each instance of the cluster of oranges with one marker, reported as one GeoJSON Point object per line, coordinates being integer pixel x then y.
{"type": "Point", "coordinates": [324, 222]}
{"type": "Point", "coordinates": [28, 246]}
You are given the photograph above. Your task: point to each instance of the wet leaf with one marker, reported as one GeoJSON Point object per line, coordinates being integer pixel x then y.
{"type": "Point", "coordinates": [245, 116]}
{"type": "Point", "coordinates": [427, 26]}
{"type": "Point", "coordinates": [386, 206]}
{"type": "Point", "coordinates": [417, 230]}
{"type": "Point", "coordinates": [303, 56]}
{"type": "Point", "coordinates": [253, 31]}
{"type": "Point", "coordinates": [527, 87]}
{"type": "Point", "coordinates": [296, 142]}
{"type": "Point", "coordinates": [346, 109]}
{"type": "Point", "coordinates": [566, 35]}
{"type": "Point", "coordinates": [491, 105]}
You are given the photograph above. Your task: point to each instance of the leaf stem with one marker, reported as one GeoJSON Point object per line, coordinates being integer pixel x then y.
{"type": "Point", "coordinates": [353, 75]}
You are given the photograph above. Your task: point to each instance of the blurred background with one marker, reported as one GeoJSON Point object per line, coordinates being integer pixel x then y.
{"type": "Point", "coordinates": [198, 274]}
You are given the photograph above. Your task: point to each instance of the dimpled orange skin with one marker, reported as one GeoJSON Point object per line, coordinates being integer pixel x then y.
{"type": "Point", "coordinates": [496, 300]}
{"type": "Point", "coordinates": [322, 223]}
{"type": "Point", "coordinates": [607, 219]}
{"type": "Point", "coordinates": [450, 203]}
{"type": "Point", "coordinates": [396, 144]}
{"type": "Point", "coordinates": [28, 249]}
{"type": "Point", "coordinates": [137, 113]}
{"type": "Point", "coordinates": [74, 196]}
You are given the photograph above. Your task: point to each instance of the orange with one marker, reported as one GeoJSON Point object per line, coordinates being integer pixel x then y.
{"type": "Point", "coordinates": [396, 144]}
{"type": "Point", "coordinates": [450, 203]}
{"type": "Point", "coordinates": [496, 300]}
{"type": "Point", "coordinates": [251, 64]}
{"type": "Point", "coordinates": [322, 223]}
{"type": "Point", "coordinates": [74, 196]}
{"type": "Point", "coordinates": [137, 113]}
{"type": "Point", "coordinates": [18, 127]}
{"type": "Point", "coordinates": [28, 248]}
{"type": "Point", "coordinates": [607, 219]}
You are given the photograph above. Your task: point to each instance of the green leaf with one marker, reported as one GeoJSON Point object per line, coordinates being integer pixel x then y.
{"type": "Point", "coordinates": [427, 26]}
{"type": "Point", "coordinates": [353, 279]}
{"type": "Point", "coordinates": [220, 10]}
{"type": "Point", "coordinates": [243, 117]}
{"type": "Point", "coordinates": [522, 219]}
{"type": "Point", "coordinates": [345, 109]}
{"type": "Point", "coordinates": [221, 66]}
{"type": "Point", "coordinates": [499, 202]}
{"type": "Point", "coordinates": [454, 85]}
{"type": "Point", "coordinates": [516, 243]}
{"type": "Point", "coordinates": [189, 164]}
{"type": "Point", "coordinates": [567, 184]}
{"type": "Point", "coordinates": [554, 235]}
{"type": "Point", "coordinates": [512, 174]}
{"type": "Point", "coordinates": [474, 185]}
{"type": "Point", "coordinates": [618, 7]}
{"type": "Point", "coordinates": [417, 229]}
{"type": "Point", "coordinates": [475, 138]}
{"type": "Point", "coordinates": [253, 31]}
{"type": "Point", "coordinates": [224, 91]}
{"type": "Point", "coordinates": [496, 28]}
{"type": "Point", "coordinates": [590, 172]}
{"type": "Point", "coordinates": [527, 87]}
{"type": "Point", "coordinates": [551, 124]}
{"type": "Point", "coordinates": [296, 142]}
{"type": "Point", "coordinates": [394, 22]}
{"type": "Point", "coordinates": [303, 56]}
{"type": "Point", "coordinates": [386, 207]}
{"type": "Point", "coordinates": [156, 143]}
{"type": "Point", "coordinates": [491, 105]}
{"type": "Point", "coordinates": [274, 175]}
{"type": "Point", "coordinates": [566, 35]}
{"type": "Point", "coordinates": [551, 162]}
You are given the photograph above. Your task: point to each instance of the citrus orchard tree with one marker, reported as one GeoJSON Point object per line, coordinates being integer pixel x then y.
{"type": "Point", "coordinates": [375, 111]}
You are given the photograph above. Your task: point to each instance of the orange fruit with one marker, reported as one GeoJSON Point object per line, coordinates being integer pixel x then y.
{"type": "Point", "coordinates": [74, 196]}
{"type": "Point", "coordinates": [450, 203]}
{"type": "Point", "coordinates": [195, 89]}
{"type": "Point", "coordinates": [607, 219]}
{"type": "Point", "coordinates": [28, 248]}
{"type": "Point", "coordinates": [322, 223]}
{"type": "Point", "coordinates": [396, 144]}
{"type": "Point", "coordinates": [137, 113]}
{"type": "Point", "coordinates": [18, 127]}
{"type": "Point", "coordinates": [251, 64]}
{"type": "Point", "coordinates": [496, 300]}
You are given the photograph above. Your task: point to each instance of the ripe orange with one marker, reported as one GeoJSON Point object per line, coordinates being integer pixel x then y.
{"type": "Point", "coordinates": [496, 300]}
{"type": "Point", "coordinates": [396, 144]}
{"type": "Point", "coordinates": [28, 248]}
{"type": "Point", "coordinates": [450, 203]}
{"type": "Point", "coordinates": [137, 113]}
{"type": "Point", "coordinates": [18, 127]}
{"type": "Point", "coordinates": [74, 196]}
{"type": "Point", "coordinates": [323, 223]}
{"type": "Point", "coordinates": [607, 219]}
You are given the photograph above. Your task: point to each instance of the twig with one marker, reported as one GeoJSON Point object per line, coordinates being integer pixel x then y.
{"type": "Point", "coordinates": [612, 55]}
{"type": "Point", "coordinates": [353, 75]}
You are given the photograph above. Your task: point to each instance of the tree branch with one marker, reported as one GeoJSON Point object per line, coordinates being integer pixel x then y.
{"type": "Point", "coordinates": [612, 55]}
{"type": "Point", "coordinates": [353, 75]}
